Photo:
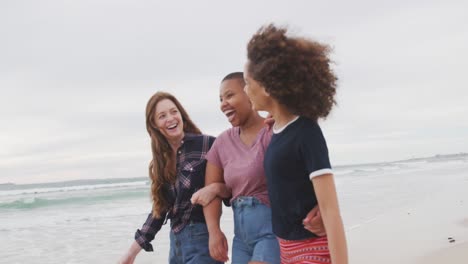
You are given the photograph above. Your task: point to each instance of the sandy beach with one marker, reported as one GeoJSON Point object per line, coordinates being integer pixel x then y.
{"type": "Point", "coordinates": [433, 229]}
{"type": "Point", "coordinates": [400, 212]}
{"type": "Point", "coordinates": [457, 254]}
{"type": "Point", "coordinates": [407, 212]}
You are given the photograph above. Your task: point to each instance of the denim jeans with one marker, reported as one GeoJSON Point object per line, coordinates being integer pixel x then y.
{"type": "Point", "coordinates": [190, 246]}
{"type": "Point", "coordinates": [253, 236]}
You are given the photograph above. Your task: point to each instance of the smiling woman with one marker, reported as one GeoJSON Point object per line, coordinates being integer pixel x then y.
{"type": "Point", "coordinates": [291, 78]}
{"type": "Point", "coordinates": [236, 159]}
{"type": "Point", "coordinates": [168, 120]}
{"type": "Point", "coordinates": [176, 171]}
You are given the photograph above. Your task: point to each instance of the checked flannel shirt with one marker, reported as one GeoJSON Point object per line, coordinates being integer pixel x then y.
{"type": "Point", "coordinates": [191, 164]}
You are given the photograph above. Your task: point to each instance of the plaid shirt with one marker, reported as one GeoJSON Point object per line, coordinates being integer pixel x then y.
{"type": "Point", "coordinates": [190, 166]}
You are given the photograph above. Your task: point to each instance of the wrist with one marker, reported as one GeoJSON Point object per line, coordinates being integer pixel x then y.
{"type": "Point", "coordinates": [135, 248]}
{"type": "Point", "coordinates": [214, 229]}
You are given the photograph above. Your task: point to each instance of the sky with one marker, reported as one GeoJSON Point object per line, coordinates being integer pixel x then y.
{"type": "Point", "coordinates": [75, 77]}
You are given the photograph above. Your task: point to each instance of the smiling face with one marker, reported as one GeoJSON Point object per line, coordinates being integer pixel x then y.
{"type": "Point", "coordinates": [234, 102]}
{"type": "Point", "coordinates": [261, 100]}
{"type": "Point", "coordinates": [168, 120]}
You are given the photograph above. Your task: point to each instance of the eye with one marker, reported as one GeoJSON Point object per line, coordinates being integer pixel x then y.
{"type": "Point", "coordinates": [161, 116]}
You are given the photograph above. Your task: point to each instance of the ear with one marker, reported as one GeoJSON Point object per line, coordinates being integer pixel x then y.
{"type": "Point", "coordinates": [265, 92]}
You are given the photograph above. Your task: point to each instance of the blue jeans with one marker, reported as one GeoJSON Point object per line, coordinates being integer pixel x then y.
{"type": "Point", "coordinates": [190, 246]}
{"type": "Point", "coordinates": [253, 236]}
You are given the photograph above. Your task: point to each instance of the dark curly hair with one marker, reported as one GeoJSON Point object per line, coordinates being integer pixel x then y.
{"type": "Point", "coordinates": [295, 71]}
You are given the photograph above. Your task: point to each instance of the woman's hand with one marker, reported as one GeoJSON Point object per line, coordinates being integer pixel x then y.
{"type": "Point", "coordinates": [314, 222]}
{"type": "Point", "coordinates": [269, 121]}
{"type": "Point", "coordinates": [218, 246]}
{"type": "Point", "coordinates": [204, 196]}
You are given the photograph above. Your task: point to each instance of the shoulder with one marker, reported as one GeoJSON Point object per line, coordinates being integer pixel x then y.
{"type": "Point", "coordinates": [208, 137]}
{"type": "Point", "coordinates": [309, 127]}
{"type": "Point", "coordinates": [310, 134]}
{"type": "Point", "coordinates": [227, 134]}
{"type": "Point", "coordinates": [190, 136]}
{"type": "Point", "coordinates": [266, 134]}
{"type": "Point", "coordinates": [200, 138]}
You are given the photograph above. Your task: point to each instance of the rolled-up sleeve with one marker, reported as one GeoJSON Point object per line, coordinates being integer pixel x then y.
{"type": "Point", "coordinates": [148, 231]}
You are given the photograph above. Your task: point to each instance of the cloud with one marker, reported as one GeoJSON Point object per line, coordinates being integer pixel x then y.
{"type": "Point", "coordinates": [75, 77]}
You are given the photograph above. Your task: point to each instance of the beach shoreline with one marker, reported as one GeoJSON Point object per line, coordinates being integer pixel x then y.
{"type": "Point", "coordinates": [432, 230]}
{"type": "Point", "coordinates": [395, 212]}
{"type": "Point", "coordinates": [454, 254]}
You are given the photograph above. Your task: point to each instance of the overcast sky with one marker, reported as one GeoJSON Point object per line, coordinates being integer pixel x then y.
{"type": "Point", "coordinates": [75, 77]}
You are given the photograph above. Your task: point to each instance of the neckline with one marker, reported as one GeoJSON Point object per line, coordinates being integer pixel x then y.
{"type": "Point", "coordinates": [281, 129]}
{"type": "Point", "coordinates": [245, 146]}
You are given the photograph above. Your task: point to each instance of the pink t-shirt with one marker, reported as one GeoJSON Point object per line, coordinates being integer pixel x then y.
{"type": "Point", "coordinates": [242, 164]}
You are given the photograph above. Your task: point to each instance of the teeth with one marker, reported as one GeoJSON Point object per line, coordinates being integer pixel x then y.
{"type": "Point", "coordinates": [173, 126]}
{"type": "Point", "coordinates": [228, 112]}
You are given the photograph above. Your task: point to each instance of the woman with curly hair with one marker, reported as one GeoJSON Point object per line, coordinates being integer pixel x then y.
{"type": "Point", "coordinates": [291, 78]}
{"type": "Point", "coordinates": [236, 159]}
{"type": "Point", "coordinates": [177, 171]}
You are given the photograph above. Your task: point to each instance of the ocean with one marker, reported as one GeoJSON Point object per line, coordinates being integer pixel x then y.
{"type": "Point", "coordinates": [93, 221]}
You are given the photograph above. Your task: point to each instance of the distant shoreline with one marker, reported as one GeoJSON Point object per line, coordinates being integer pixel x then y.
{"type": "Point", "coordinates": [435, 157]}
{"type": "Point", "coordinates": [143, 178]}
{"type": "Point", "coordinates": [73, 182]}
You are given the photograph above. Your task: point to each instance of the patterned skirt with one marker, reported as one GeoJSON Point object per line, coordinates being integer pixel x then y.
{"type": "Point", "coordinates": [308, 251]}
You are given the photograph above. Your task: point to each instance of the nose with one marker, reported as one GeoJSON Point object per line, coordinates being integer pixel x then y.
{"type": "Point", "coordinates": [170, 118]}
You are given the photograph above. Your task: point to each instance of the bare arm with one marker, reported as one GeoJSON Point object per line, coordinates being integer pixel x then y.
{"type": "Point", "coordinates": [143, 238]}
{"type": "Point", "coordinates": [217, 242]}
{"type": "Point", "coordinates": [221, 190]}
{"type": "Point", "coordinates": [325, 190]}
{"type": "Point", "coordinates": [131, 254]}
{"type": "Point", "coordinates": [205, 195]}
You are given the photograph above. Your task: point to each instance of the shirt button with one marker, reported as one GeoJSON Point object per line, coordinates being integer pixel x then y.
{"type": "Point", "coordinates": [191, 169]}
{"type": "Point", "coordinates": [180, 152]}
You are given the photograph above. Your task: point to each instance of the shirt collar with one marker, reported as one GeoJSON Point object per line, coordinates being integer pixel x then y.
{"type": "Point", "coordinates": [189, 137]}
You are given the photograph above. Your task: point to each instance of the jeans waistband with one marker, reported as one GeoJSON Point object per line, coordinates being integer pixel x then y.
{"type": "Point", "coordinates": [245, 201]}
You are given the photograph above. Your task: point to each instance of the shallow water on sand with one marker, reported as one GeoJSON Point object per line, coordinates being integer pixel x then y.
{"type": "Point", "coordinates": [94, 221]}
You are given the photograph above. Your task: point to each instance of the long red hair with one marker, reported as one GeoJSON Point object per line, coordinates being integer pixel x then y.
{"type": "Point", "coordinates": [162, 168]}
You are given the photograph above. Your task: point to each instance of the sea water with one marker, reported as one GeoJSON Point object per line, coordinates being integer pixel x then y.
{"type": "Point", "coordinates": [93, 221]}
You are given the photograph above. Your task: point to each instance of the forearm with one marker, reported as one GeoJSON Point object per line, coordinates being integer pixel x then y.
{"type": "Point", "coordinates": [336, 236]}
{"type": "Point", "coordinates": [221, 190]}
{"type": "Point", "coordinates": [134, 249]}
{"type": "Point", "coordinates": [329, 209]}
{"type": "Point", "coordinates": [217, 243]}
{"type": "Point", "coordinates": [131, 254]}
{"type": "Point", "coordinates": [148, 231]}
{"type": "Point", "coordinates": [213, 210]}
{"type": "Point", "coordinates": [212, 214]}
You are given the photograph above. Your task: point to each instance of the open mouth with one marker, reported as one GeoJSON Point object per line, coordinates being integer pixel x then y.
{"type": "Point", "coordinates": [230, 114]}
{"type": "Point", "coordinates": [172, 127]}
